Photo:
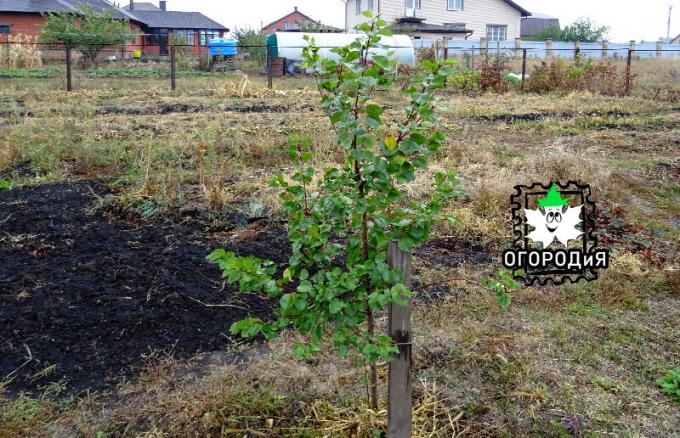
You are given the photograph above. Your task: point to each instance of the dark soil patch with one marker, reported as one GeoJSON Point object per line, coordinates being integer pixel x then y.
{"type": "Point", "coordinates": [532, 117]}
{"type": "Point", "coordinates": [451, 252]}
{"type": "Point", "coordinates": [18, 109]}
{"type": "Point", "coordinates": [93, 295]}
{"type": "Point", "coordinates": [150, 109]}
{"type": "Point", "coordinates": [267, 108]}
{"type": "Point", "coordinates": [162, 109]}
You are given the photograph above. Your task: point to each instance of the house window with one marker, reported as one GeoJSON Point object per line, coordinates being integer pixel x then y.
{"type": "Point", "coordinates": [286, 26]}
{"type": "Point", "coordinates": [497, 33]}
{"type": "Point", "coordinates": [358, 7]}
{"type": "Point", "coordinates": [412, 4]}
{"type": "Point", "coordinates": [184, 36]}
{"type": "Point", "coordinates": [455, 5]}
{"type": "Point", "coordinates": [207, 35]}
{"type": "Point", "coordinates": [157, 37]}
{"type": "Point", "coordinates": [370, 4]}
{"type": "Point", "coordinates": [4, 28]}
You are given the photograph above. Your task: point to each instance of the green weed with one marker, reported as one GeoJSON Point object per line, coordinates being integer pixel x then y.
{"type": "Point", "coordinates": [670, 384]}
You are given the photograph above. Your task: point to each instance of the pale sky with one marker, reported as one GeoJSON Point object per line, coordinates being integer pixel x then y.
{"type": "Point", "coordinates": [628, 19]}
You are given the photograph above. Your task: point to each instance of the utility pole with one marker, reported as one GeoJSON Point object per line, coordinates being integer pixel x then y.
{"type": "Point", "coordinates": [668, 32]}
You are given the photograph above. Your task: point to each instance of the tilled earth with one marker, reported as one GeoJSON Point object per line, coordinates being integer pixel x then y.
{"type": "Point", "coordinates": [84, 298]}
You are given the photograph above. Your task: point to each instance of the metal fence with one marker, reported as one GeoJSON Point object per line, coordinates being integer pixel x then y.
{"type": "Point", "coordinates": [652, 65]}
{"type": "Point", "coordinates": [30, 60]}
{"type": "Point", "coordinates": [548, 49]}
{"type": "Point", "coordinates": [167, 63]}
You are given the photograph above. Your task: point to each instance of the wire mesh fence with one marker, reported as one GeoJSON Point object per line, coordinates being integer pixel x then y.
{"type": "Point", "coordinates": [647, 65]}
{"type": "Point", "coordinates": [94, 65]}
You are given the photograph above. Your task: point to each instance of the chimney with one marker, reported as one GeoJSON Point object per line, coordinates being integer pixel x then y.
{"type": "Point", "coordinates": [131, 6]}
{"type": "Point", "coordinates": [296, 9]}
{"type": "Point", "coordinates": [162, 4]}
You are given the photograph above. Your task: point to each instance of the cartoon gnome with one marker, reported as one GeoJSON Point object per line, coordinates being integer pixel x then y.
{"type": "Point", "coordinates": [555, 222]}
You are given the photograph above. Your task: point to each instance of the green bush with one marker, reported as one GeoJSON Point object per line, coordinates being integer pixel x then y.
{"type": "Point", "coordinates": [252, 44]}
{"type": "Point", "coordinates": [465, 80]}
{"type": "Point", "coordinates": [670, 384]}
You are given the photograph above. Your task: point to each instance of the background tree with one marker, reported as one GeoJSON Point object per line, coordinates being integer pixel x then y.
{"type": "Point", "coordinates": [551, 32]}
{"type": "Point", "coordinates": [584, 30]}
{"type": "Point", "coordinates": [317, 26]}
{"type": "Point", "coordinates": [252, 43]}
{"type": "Point", "coordinates": [86, 31]}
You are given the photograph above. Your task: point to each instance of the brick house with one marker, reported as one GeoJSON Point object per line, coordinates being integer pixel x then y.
{"type": "Point", "coordinates": [25, 17]}
{"type": "Point", "coordinates": [292, 21]}
{"type": "Point", "coordinates": [159, 25]}
{"type": "Point", "coordinates": [153, 25]}
{"type": "Point", "coordinates": [286, 23]}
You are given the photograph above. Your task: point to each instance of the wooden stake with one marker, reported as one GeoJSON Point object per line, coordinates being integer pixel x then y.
{"type": "Point", "coordinates": [270, 73]}
{"type": "Point", "coordinates": [69, 81]}
{"type": "Point", "coordinates": [628, 65]}
{"type": "Point", "coordinates": [399, 401]}
{"type": "Point", "coordinates": [524, 66]}
{"type": "Point", "coordinates": [173, 68]}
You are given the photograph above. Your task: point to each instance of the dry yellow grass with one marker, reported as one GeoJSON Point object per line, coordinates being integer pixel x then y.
{"type": "Point", "coordinates": [21, 52]}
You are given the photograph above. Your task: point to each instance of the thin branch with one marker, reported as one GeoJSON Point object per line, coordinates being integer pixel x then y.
{"type": "Point", "coordinates": [216, 305]}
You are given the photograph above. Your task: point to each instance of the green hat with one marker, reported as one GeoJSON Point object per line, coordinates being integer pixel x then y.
{"type": "Point", "coordinates": [554, 199]}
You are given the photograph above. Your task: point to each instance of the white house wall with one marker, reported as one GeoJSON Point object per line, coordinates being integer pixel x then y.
{"type": "Point", "coordinates": [476, 14]}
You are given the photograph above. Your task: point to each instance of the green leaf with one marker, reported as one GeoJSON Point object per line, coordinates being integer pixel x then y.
{"type": "Point", "coordinates": [305, 286]}
{"type": "Point", "coordinates": [300, 304]}
{"type": "Point", "coordinates": [336, 306]}
{"type": "Point", "coordinates": [374, 111]}
{"type": "Point", "coordinates": [286, 301]}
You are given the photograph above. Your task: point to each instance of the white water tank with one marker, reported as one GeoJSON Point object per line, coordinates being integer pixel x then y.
{"type": "Point", "coordinates": [289, 45]}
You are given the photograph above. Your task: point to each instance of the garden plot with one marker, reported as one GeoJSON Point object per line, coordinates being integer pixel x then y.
{"type": "Point", "coordinates": [105, 231]}
{"type": "Point", "coordinates": [86, 297]}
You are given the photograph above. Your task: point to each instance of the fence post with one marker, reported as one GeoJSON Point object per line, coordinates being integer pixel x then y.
{"type": "Point", "coordinates": [399, 401]}
{"type": "Point", "coordinates": [628, 64]}
{"type": "Point", "coordinates": [577, 49]}
{"type": "Point", "coordinates": [173, 68]}
{"type": "Point", "coordinates": [524, 66]}
{"type": "Point", "coordinates": [69, 82]}
{"type": "Point", "coordinates": [548, 48]}
{"type": "Point", "coordinates": [659, 49]}
{"type": "Point", "coordinates": [518, 47]}
{"type": "Point", "coordinates": [446, 48]}
{"type": "Point", "coordinates": [270, 74]}
{"type": "Point", "coordinates": [483, 45]}
{"type": "Point", "coordinates": [605, 50]}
